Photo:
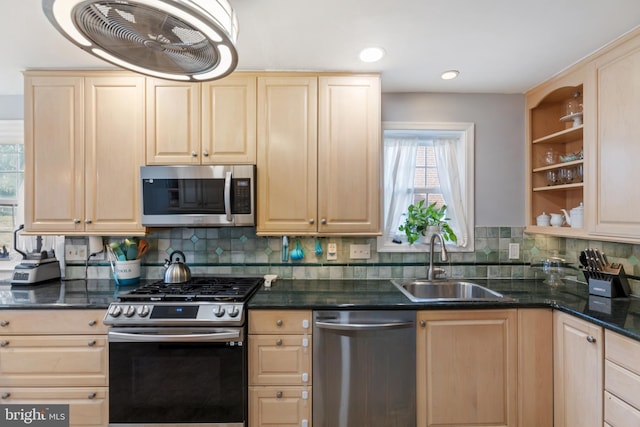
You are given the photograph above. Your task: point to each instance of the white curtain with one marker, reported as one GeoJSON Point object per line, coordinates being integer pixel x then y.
{"type": "Point", "coordinates": [451, 174]}
{"type": "Point", "coordinates": [399, 165]}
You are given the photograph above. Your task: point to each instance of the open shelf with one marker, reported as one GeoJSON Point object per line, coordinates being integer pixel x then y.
{"type": "Point", "coordinates": [566, 135]}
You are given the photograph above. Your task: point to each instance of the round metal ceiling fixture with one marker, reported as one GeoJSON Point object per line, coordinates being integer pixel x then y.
{"type": "Point", "coordinates": [170, 39]}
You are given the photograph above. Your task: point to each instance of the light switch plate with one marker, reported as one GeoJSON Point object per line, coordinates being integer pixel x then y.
{"type": "Point", "coordinates": [360, 251]}
{"type": "Point", "coordinates": [514, 250]}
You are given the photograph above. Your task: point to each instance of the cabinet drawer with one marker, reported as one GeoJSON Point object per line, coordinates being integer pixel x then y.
{"type": "Point", "coordinates": [618, 413]}
{"type": "Point", "coordinates": [87, 406]}
{"type": "Point", "coordinates": [279, 321]}
{"type": "Point", "coordinates": [623, 351]}
{"type": "Point", "coordinates": [279, 360]}
{"type": "Point", "coordinates": [622, 383]}
{"type": "Point", "coordinates": [279, 406]}
{"type": "Point", "coordinates": [59, 322]}
{"type": "Point", "coordinates": [48, 360]}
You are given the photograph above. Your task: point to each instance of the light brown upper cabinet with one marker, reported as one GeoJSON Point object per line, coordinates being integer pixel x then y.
{"type": "Point", "coordinates": [616, 197]}
{"type": "Point", "coordinates": [84, 145]}
{"type": "Point", "coordinates": [318, 158]}
{"type": "Point", "coordinates": [202, 123]}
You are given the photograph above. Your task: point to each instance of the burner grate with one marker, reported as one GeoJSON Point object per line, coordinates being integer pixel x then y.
{"type": "Point", "coordinates": [235, 289]}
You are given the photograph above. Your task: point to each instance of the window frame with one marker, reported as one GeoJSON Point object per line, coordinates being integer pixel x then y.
{"type": "Point", "coordinates": [384, 243]}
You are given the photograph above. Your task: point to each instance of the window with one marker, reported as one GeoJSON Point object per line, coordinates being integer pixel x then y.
{"type": "Point", "coordinates": [11, 178]}
{"type": "Point", "coordinates": [431, 162]}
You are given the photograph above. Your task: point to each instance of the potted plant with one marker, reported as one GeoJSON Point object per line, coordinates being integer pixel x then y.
{"type": "Point", "coordinates": [420, 217]}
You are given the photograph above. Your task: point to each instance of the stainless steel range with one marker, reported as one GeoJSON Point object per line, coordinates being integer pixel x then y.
{"type": "Point", "coordinates": [177, 353]}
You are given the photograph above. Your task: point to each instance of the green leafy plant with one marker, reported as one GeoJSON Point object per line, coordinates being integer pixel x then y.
{"type": "Point", "coordinates": [421, 216]}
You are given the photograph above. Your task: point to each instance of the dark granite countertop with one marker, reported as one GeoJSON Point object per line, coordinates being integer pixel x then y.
{"type": "Point", "coordinates": [621, 315]}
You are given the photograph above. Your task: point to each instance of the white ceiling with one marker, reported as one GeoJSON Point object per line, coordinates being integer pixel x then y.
{"type": "Point", "coordinates": [499, 46]}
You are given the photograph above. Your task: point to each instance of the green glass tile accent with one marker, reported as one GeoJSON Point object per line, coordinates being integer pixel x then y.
{"type": "Point", "coordinates": [169, 250]}
{"type": "Point", "coordinates": [243, 238]}
{"type": "Point", "coordinates": [535, 251]}
{"type": "Point", "coordinates": [486, 251]}
{"type": "Point", "coordinates": [219, 251]}
{"type": "Point", "coordinates": [268, 251]}
{"type": "Point", "coordinates": [632, 260]}
{"type": "Point", "coordinates": [194, 238]}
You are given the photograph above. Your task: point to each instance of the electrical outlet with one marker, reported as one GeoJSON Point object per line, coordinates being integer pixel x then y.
{"type": "Point", "coordinates": [360, 251]}
{"type": "Point", "coordinates": [514, 250]}
{"type": "Point", "coordinates": [332, 252]}
{"type": "Point", "coordinates": [75, 252]}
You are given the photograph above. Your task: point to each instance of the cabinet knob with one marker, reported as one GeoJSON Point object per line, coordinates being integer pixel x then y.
{"type": "Point", "coordinates": [311, 221]}
{"type": "Point", "coordinates": [194, 154]}
{"type": "Point", "coordinates": [4, 323]}
{"type": "Point", "coordinates": [591, 338]}
{"type": "Point", "coordinates": [423, 323]}
{"type": "Point", "coordinates": [91, 343]}
{"type": "Point", "coordinates": [323, 221]}
{"type": "Point", "coordinates": [92, 323]}
{"type": "Point", "coordinates": [92, 395]}
{"type": "Point", "coordinates": [279, 322]}
{"type": "Point", "coordinates": [6, 395]}
{"type": "Point", "coordinates": [87, 221]}
{"type": "Point", "coordinates": [205, 153]}
{"type": "Point", "coordinates": [4, 343]}
{"type": "Point", "coordinates": [76, 221]}
{"type": "Point", "coordinates": [279, 395]}
{"type": "Point", "coordinates": [278, 342]}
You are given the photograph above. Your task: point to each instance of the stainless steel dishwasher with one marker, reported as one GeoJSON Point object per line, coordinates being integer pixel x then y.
{"type": "Point", "coordinates": [364, 368]}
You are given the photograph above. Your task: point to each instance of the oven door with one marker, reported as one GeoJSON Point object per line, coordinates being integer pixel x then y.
{"type": "Point", "coordinates": [175, 376]}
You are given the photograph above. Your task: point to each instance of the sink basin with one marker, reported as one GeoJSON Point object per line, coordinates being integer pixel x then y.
{"type": "Point", "coordinates": [447, 290]}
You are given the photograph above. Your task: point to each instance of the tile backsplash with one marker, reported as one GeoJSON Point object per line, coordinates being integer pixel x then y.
{"type": "Point", "coordinates": [240, 251]}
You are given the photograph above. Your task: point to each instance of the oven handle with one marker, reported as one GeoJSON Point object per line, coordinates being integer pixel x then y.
{"type": "Point", "coordinates": [141, 337]}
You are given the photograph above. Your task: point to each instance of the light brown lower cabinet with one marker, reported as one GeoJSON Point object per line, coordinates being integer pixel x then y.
{"type": "Point", "coordinates": [88, 406]}
{"type": "Point", "coordinates": [56, 357]}
{"type": "Point", "coordinates": [279, 406]}
{"type": "Point", "coordinates": [578, 373]}
{"type": "Point", "coordinates": [621, 381]}
{"type": "Point", "coordinates": [467, 367]}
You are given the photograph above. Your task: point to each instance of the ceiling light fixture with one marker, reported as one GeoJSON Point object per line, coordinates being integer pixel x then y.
{"type": "Point", "coordinates": [371, 54]}
{"type": "Point", "coordinates": [169, 39]}
{"type": "Point", "coordinates": [450, 74]}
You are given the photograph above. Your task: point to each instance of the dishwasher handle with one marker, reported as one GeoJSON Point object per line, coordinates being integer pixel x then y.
{"type": "Point", "coordinates": [363, 326]}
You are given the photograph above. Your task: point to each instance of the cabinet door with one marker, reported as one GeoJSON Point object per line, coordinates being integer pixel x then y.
{"type": "Point", "coordinates": [279, 406]}
{"type": "Point", "coordinates": [114, 138]}
{"type": "Point", "coordinates": [229, 120]}
{"type": "Point", "coordinates": [467, 368]}
{"type": "Point", "coordinates": [54, 153]}
{"type": "Point", "coordinates": [349, 155]}
{"type": "Point", "coordinates": [173, 123]}
{"type": "Point", "coordinates": [287, 155]}
{"type": "Point", "coordinates": [87, 406]}
{"type": "Point", "coordinates": [577, 372]}
{"type": "Point", "coordinates": [618, 108]}
{"type": "Point", "coordinates": [53, 360]}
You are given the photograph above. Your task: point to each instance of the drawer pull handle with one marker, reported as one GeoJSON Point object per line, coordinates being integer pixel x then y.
{"type": "Point", "coordinates": [279, 395]}
{"type": "Point", "coordinates": [6, 395]}
{"type": "Point", "coordinates": [278, 342]}
{"type": "Point", "coordinates": [92, 323]}
{"type": "Point", "coordinates": [591, 338]}
{"type": "Point", "coordinates": [92, 395]}
{"type": "Point", "coordinates": [279, 322]}
{"type": "Point", "coordinates": [4, 323]}
{"type": "Point", "coordinates": [91, 343]}
{"type": "Point", "coordinates": [423, 323]}
{"type": "Point", "coordinates": [4, 343]}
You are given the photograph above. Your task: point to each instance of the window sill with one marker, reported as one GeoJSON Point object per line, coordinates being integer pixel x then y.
{"type": "Point", "coordinates": [385, 244]}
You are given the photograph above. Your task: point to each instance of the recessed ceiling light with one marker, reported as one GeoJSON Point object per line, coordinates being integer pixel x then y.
{"type": "Point", "coordinates": [371, 54]}
{"type": "Point", "coordinates": [450, 74]}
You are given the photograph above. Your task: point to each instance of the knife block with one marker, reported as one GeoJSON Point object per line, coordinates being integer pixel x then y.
{"type": "Point", "coordinates": [609, 283]}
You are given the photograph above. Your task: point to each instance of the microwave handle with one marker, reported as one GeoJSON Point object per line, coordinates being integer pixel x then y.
{"type": "Point", "coordinates": [227, 196]}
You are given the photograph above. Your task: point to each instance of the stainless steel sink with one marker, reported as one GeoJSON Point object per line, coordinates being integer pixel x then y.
{"type": "Point", "coordinates": [447, 290]}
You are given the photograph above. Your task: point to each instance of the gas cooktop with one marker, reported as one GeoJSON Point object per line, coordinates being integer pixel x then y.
{"type": "Point", "coordinates": [235, 289]}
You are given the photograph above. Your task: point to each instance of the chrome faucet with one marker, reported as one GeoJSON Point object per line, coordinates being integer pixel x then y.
{"type": "Point", "coordinates": [433, 273]}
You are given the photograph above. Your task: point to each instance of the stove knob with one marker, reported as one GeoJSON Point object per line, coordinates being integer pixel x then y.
{"type": "Point", "coordinates": [234, 311]}
{"type": "Point", "coordinates": [218, 311]}
{"type": "Point", "coordinates": [143, 311]}
{"type": "Point", "coordinates": [129, 311]}
{"type": "Point", "coordinates": [115, 311]}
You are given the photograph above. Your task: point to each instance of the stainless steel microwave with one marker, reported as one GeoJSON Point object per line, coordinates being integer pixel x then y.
{"type": "Point", "coordinates": [198, 196]}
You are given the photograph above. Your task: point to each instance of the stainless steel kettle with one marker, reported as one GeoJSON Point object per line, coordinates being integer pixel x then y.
{"type": "Point", "coordinates": [176, 271]}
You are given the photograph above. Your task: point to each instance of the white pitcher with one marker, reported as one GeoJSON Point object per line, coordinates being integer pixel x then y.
{"type": "Point", "coordinates": [556, 220]}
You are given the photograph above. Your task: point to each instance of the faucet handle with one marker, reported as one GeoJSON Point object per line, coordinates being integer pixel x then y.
{"type": "Point", "coordinates": [439, 273]}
